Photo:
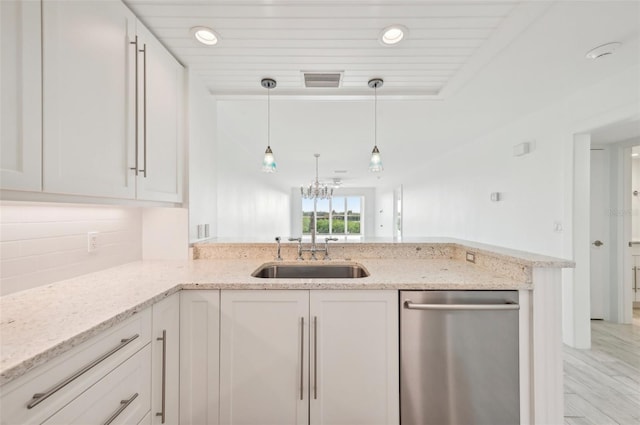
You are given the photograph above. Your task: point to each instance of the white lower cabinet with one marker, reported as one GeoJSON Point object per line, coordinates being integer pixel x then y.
{"type": "Point", "coordinates": [121, 397]}
{"type": "Point", "coordinates": [199, 356]}
{"type": "Point", "coordinates": [165, 361]}
{"type": "Point", "coordinates": [300, 357]}
{"type": "Point", "coordinates": [264, 357]}
{"type": "Point", "coordinates": [36, 396]}
{"type": "Point", "coordinates": [354, 358]}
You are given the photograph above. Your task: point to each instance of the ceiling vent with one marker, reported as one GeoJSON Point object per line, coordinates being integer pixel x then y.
{"type": "Point", "coordinates": [322, 79]}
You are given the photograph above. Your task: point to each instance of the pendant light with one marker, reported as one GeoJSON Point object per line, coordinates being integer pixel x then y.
{"type": "Point", "coordinates": [375, 164]}
{"type": "Point", "coordinates": [269, 161]}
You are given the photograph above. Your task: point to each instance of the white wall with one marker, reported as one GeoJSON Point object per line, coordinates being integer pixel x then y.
{"type": "Point", "coordinates": [44, 243]}
{"type": "Point", "coordinates": [202, 178]}
{"type": "Point", "coordinates": [450, 196]}
{"type": "Point", "coordinates": [250, 205]}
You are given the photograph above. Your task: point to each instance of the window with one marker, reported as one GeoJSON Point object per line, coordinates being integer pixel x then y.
{"type": "Point", "coordinates": [340, 215]}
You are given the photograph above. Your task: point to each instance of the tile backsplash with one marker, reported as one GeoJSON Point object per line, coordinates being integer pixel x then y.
{"type": "Point", "coordinates": [44, 243]}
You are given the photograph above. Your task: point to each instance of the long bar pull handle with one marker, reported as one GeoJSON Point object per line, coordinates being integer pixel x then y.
{"type": "Point", "coordinates": [123, 405]}
{"type": "Point", "coordinates": [635, 279]}
{"type": "Point", "coordinates": [507, 306]}
{"type": "Point", "coordinates": [302, 358]}
{"type": "Point", "coordinates": [315, 357]}
{"type": "Point", "coordinates": [40, 397]}
{"type": "Point", "coordinates": [144, 109]}
{"type": "Point", "coordinates": [135, 43]}
{"type": "Point", "coordinates": [163, 338]}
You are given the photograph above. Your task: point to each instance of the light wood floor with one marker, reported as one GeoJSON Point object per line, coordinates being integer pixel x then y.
{"type": "Point", "coordinates": [602, 385]}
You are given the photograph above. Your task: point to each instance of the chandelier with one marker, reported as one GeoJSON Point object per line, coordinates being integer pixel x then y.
{"type": "Point", "coordinates": [316, 190]}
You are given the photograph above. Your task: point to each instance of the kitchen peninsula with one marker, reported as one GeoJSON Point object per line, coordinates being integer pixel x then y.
{"type": "Point", "coordinates": [42, 325]}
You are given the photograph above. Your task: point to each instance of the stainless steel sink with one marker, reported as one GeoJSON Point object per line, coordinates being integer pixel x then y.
{"type": "Point", "coordinates": [310, 271]}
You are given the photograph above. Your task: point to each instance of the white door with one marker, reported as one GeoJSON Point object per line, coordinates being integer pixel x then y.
{"type": "Point", "coordinates": [264, 357]}
{"type": "Point", "coordinates": [354, 371]}
{"type": "Point", "coordinates": [160, 117]}
{"type": "Point", "coordinates": [165, 361]}
{"type": "Point", "coordinates": [600, 205]}
{"type": "Point", "coordinates": [88, 98]}
{"type": "Point", "coordinates": [199, 356]}
{"type": "Point", "coordinates": [20, 95]}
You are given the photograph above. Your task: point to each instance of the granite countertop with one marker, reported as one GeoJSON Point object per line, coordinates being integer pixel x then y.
{"type": "Point", "coordinates": [38, 324]}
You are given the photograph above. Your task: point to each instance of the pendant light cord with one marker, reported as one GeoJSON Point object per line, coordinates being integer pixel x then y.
{"type": "Point", "coordinates": [268, 117]}
{"type": "Point", "coordinates": [375, 116]}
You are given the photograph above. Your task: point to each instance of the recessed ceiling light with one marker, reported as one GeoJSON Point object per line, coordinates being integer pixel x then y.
{"type": "Point", "coordinates": [393, 34]}
{"type": "Point", "coordinates": [205, 35]}
{"type": "Point", "coordinates": [604, 50]}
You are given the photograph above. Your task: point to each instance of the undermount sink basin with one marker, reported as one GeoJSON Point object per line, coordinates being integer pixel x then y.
{"type": "Point", "coordinates": [310, 271]}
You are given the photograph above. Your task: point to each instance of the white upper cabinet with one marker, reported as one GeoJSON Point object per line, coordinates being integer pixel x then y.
{"type": "Point", "coordinates": [112, 105]}
{"type": "Point", "coordinates": [89, 93]}
{"type": "Point", "coordinates": [160, 116]}
{"type": "Point", "coordinates": [20, 95]}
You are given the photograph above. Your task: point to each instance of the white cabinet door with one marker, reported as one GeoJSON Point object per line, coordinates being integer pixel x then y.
{"type": "Point", "coordinates": [165, 361]}
{"type": "Point", "coordinates": [160, 118]}
{"type": "Point", "coordinates": [354, 371]}
{"type": "Point", "coordinates": [20, 95]}
{"type": "Point", "coordinates": [199, 357]}
{"type": "Point", "coordinates": [88, 98]}
{"type": "Point", "coordinates": [264, 357]}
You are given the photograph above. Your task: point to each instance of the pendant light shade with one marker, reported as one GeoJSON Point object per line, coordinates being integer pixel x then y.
{"type": "Point", "coordinates": [269, 161]}
{"type": "Point", "coordinates": [375, 163]}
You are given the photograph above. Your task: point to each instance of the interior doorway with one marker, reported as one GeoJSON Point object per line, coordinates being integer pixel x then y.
{"type": "Point", "coordinates": [613, 211]}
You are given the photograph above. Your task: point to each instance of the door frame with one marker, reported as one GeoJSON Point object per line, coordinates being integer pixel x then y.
{"type": "Point", "coordinates": [576, 322]}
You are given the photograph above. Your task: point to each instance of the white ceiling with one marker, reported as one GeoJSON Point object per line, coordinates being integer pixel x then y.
{"type": "Point", "coordinates": [282, 38]}
{"type": "Point", "coordinates": [465, 69]}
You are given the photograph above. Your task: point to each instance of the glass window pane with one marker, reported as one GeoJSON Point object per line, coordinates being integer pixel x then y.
{"type": "Point", "coordinates": [322, 226]}
{"type": "Point", "coordinates": [337, 205]}
{"type": "Point", "coordinates": [353, 214]}
{"type": "Point", "coordinates": [307, 215]}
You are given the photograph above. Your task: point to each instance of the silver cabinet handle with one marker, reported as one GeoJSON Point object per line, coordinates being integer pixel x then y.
{"type": "Point", "coordinates": [635, 279]}
{"type": "Point", "coordinates": [315, 357]}
{"type": "Point", "coordinates": [40, 397]}
{"type": "Point", "coordinates": [507, 306]}
{"type": "Point", "coordinates": [144, 108]}
{"type": "Point", "coordinates": [123, 405]}
{"type": "Point", "coordinates": [163, 338]}
{"type": "Point", "coordinates": [302, 358]}
{"type": "Point", "coordinates": [135, 43]}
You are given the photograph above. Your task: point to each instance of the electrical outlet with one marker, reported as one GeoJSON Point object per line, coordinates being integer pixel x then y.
{"type": "Point", "coordinates": [92, 241]}
{"type": "Point", "coordinates": [471, 257]}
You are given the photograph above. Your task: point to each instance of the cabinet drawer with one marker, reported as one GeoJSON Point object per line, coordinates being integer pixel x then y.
{"type": "Point", "coordinates": [64, 378]}
{"type": "Point", "coordinates": [121, 397]}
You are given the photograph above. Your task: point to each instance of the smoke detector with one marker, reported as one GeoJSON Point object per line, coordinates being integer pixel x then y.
{"type": "Point", "coordinates": [604, 50]}
{"type": "Point", "coordinates": [322, 79]}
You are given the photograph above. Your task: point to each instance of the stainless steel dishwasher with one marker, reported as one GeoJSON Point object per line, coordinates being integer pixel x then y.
{"type": "Point", "coordinates": [459, 357]}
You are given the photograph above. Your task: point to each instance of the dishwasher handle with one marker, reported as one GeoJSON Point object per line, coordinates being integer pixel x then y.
{"type": "Point", "coordinates": [506, 306]}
